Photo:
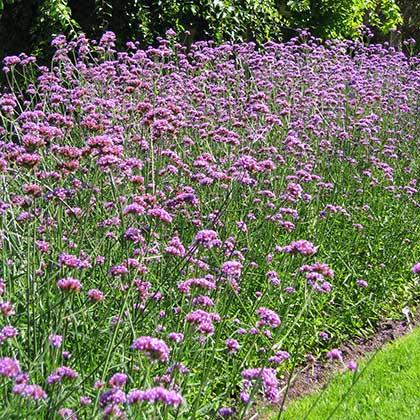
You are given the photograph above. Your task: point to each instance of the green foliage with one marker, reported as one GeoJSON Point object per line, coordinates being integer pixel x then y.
{"type": "Point", "coordinates": [2, 2]}
{"type": "Point", "coordinates": [383, 14]}
{"type": "Point", "coordinates": [220, 20]}
{"type": "Point", "coordinates": [339, 19]}
{"type": "Point", "coordinates": [103, 11]}
{"type": "Point", "coordinates": [54, 17]}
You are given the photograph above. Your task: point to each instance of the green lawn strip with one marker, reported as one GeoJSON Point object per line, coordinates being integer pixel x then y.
{"type": "Point", "coordinates": [387, 387]}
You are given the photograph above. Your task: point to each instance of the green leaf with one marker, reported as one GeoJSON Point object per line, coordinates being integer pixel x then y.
{"type": "Point", "coordinates": [299, 5]}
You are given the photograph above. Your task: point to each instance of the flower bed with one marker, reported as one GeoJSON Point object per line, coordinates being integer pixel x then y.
{"type": "Point", "coordinates": [179, 227]}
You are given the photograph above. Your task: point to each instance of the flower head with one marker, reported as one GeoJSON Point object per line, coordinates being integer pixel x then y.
{"type": "Point", "coordinates": [267, 317]}
{"type": "Point", "coordinates": [232, 268]}
{"type": "Point", "coordinates": [335, 354]}
{"type": "Point", "coordinates": [9, 367]}
{"type": "Point", "coordinates": [155, 395]}
{"type": "Point", "coordinates": [152, 347]}
{"type": "Point", "coordinates": [416, 268]}
{"type": "Point", "coordinates": [55, 340]}
{"type": "Point", "coordinates": [69, 284]}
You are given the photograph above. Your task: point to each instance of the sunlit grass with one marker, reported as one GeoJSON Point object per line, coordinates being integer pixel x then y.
{"type": "Point", "coordinates": [386, 386]}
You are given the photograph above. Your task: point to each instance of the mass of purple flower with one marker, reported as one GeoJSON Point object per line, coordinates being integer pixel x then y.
{"type": "Point", "coordinates": [180, 227]}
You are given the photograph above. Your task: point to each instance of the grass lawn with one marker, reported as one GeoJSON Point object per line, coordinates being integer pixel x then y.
{"type": "Point", "coordinates": [387, 387]}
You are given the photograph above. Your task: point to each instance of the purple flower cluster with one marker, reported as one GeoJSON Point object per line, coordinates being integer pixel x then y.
{"type": "Point", "coordinates": [60, 373]}
{"type": "Point", "coordinates": [34, 392]}
{"type": "Point", "coordinates": [362, 283]}
{"type": "Point", "coordinates": [416, 268]}
{"type": "Point", "coordinates": [335, 354]}
{"type": "Point", "coordinates": [269, 380]}
{"type": "Point", "coordinates": [302, 247]}
{"type": "Point", "coordinates": [204, 283]}
{"type": "Point", "coordinates": [154, 348]}
{"type": "Point", "coordinates": [232, 345]}
{"type": "Point", "coordinates": [155, 395]}
{"type": "Point", "coordinates": [203, 320]}
{"type": "Point", "coordinates": [69, 284]}
{"type": "Point", "coordinates": [279, 357]}
{"type": "Point", "coordinates": [267, 318]}
{"type": "Point", "coordinates": [175, 247]}
{"type": "Point", "coordinates": [9, 367]}
{"type": "Point", "coordinates": [207, 238]}
{"type": "Point", "coordinates": [232, 269]}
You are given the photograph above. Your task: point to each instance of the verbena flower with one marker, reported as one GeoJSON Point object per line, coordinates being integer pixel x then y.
{"type": "Point", "coordinates": [302, 247]}
{"type": "Point", "coordinates": [352, 365]}
{"type": "Point", "coordinates": [34, 392]}
{"type": "Point", "coordinates": [9, 367]}
{"type": "Point", "coordinates": [269, 380]}
{"type": "Point", "coordinates": [155, 395]}
{"type": "Point", "coordinates": [362, 283]}
{"type": "Point", "coordinates": [95, 295]}
{"type": "Point", "coordinates": [207, 238]}
{"type": "Point", "coordinates": [67, 414]}
{"type": "Point", "coordinates": [416, 268]}
{"type": "Point", "coordinates": [267, 317]}
{"type": "Point", "coordinates": [55, 340]}
{"type": "Point", "coordinates": [69, 284]}
{"type": "Point", "coordinates": [112, 396]}
{"type": "Point", "coordinates": [118, 380]}
{"type": "Point", "coordinates": [335, 354]}
{"type": "Point", "coordinates": [232, 268]}
{"type": "Point", "coordinates": [279, 357]}
{"type": "Point", "coordinates": [152, 347]}
{"type": "Point", "coordinates": [60, 373]}
{"type": "Point", "coordinates": [225, 411]}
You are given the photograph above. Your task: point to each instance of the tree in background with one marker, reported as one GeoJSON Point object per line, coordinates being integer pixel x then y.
{"type": "Point", "coordinates": [338, 19]}
{"type": "Point", "coordinates": [410, 12]}
{"type": "Point", "coordinates": [29, 25]}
